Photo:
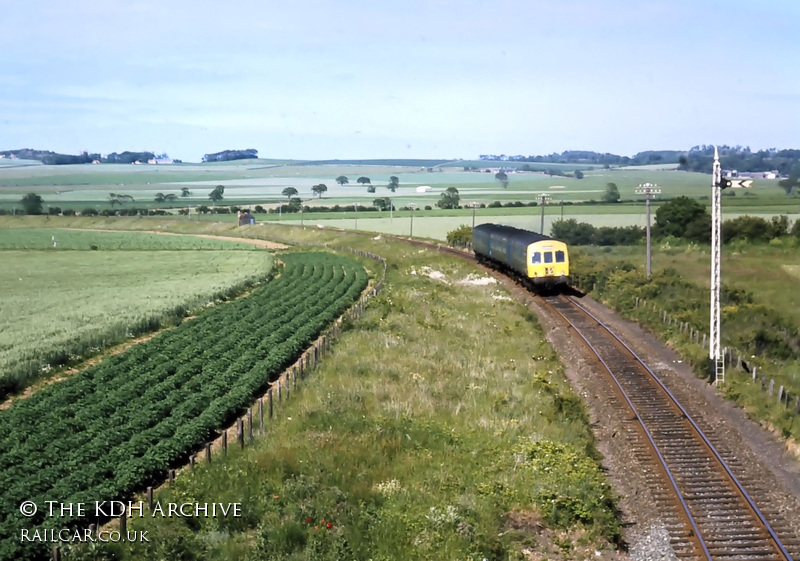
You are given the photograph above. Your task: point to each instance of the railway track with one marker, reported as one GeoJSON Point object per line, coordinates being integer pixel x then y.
{"type": "Point", "coordinates": [707, 510]}
{"type": "Point", "coordinates": [709, 513]}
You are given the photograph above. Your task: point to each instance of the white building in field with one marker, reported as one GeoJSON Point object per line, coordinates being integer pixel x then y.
{"type": "Point", "coordinates": [423, 188]}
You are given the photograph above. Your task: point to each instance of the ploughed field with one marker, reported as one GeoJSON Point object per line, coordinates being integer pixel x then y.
{"type": "Point", "coordinates": [118, 426]}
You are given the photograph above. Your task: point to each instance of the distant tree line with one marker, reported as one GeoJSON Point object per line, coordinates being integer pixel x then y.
{"type": "Point", "coordinates": [229, 155]}
{"type": "Point", "coordinates": [681, 218]}
{"type": "Point", "coordinates": [701, 159]}
{"type": "Point", "coordinates": [53, 158]}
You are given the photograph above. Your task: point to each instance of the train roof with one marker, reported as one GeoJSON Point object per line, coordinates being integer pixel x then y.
{"type": "Point", "coordinates": [523, 235]}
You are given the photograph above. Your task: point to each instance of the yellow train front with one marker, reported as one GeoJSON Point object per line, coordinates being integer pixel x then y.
{"type": "Point", "coordinates": [536, 259]}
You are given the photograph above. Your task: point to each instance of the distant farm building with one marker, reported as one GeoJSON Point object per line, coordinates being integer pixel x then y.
{"type": "Point", "coordinates": [158, 161]}
{"type": "Point", "coordinates": [423, 188]}
{"type": "Point", "coordinates": [246, 218]}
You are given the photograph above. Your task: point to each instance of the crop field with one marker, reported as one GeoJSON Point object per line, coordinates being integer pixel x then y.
{"type": "Point", "coordinates": [119, 425]}
{"type": "Point", "coordinates": [61, 239]}
{"type": "Point", "coordinates": [63, 303]}
{"type": "Point", "coordinates": [255, 182]}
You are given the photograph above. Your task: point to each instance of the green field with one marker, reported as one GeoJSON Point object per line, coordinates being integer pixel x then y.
{"type": "Point", "coordinates": [63, 303]}
{"type": "Point", "coordinates": [61, 239]}
{"type": "Point", "coordinates": [260, 182]}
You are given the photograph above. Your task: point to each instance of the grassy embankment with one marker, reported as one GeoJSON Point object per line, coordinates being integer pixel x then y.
{"type": "Point", "coordinates": [95, 289]}
{"type": "Point", "coordinates": [439, 427]}
{"type": "Point", "coordinates": [760, 311]}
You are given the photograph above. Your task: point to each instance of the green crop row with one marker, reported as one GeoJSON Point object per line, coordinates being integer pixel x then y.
{"type": "Point", "coordinates": [120, 425]}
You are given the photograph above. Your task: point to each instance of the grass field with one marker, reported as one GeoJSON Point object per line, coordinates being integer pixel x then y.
{"type": "Point", "coordinates": [61, 239]}
{"type": "Point", "coordinates": [63, 303]}
{"type": "Point", "coordinates": [260, 182]}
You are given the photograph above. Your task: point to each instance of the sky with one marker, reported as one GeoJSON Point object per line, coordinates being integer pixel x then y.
{"type": "Point", "coordinates": [313, 79]}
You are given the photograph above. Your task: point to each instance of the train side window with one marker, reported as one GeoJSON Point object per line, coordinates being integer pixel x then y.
{"type": "Point", "coordinates": [559, 256]}
{"type": "Point", "coordinates": [548, 256]}
{"type": "Point", "coordinates": [537, 257]}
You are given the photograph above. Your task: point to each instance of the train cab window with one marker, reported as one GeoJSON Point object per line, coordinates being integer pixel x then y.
{"type": "Point", "coordinates": [537, 257]}
{"type": "Point", "coordinates": [559, 256]}
{"type": "Point", "coordinates": [548, 256]}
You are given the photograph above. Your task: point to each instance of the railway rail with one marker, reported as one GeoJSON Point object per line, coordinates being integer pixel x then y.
{"type": "Point", "coordinates": [711, 514]}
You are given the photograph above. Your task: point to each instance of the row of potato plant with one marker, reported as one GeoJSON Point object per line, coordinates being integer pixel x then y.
{"type": "Point", "coordinates": [120, 425]}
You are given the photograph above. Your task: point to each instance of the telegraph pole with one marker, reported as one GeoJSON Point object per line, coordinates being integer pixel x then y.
{"type": "Point", "coordinates": [412, 206]}
{"type": "Point", "coordinates": [648, 189]}
{"type": "Point", "coordinates": [473, 205]}
{"type": "Point", "coordinates": [543, 198]}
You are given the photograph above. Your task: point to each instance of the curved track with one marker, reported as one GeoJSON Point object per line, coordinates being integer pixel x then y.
{"type": "Point", "coordinates": [709, 513]}
{"type": "Point", "coordinates": [713, 516]}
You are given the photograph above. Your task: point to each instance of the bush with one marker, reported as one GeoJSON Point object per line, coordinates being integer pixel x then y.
{"type": "Point", "coordinates": [460, 237]}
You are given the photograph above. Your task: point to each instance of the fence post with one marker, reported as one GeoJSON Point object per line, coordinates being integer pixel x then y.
{"type": "Point", "coordinates": [171, 476]}
{"type": "Point", "coordinates": [240, 432]}
{"type": "Point", "coordinates": [250, 423]}
{"type": "Point", "coordinates": [56, 553]}
{"type": "Point", "coordinates": [150, 498]}
{"type": "Point", "coordinates": [225, 443]}
{"type": "Point", "coordinates": [261, 414]}
{"type": "Point", "coordinates": [755, 368]}
{"type": "Point", "coordinates": [269, 394]}
{"type": "Point", "coordinates": [123, 523]}
{"type": "Point", "coordinates": [771, 386]}
{"type": "Point", "coordinates": [208, 452]}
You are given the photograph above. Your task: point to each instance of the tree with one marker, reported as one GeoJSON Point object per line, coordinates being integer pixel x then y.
{"type": "Point", "coordinates": [289, 192]}
{"type": "Point", "coordinates": [578, 174]}
{"type": "Point", "coordinates": [216, 194]}
{"type": "Point", "coordinates": [319, 189]}
{"type": "Point", "coordinates": [502, 178]}
{"type": "Point", "coordinates": [382, 203]}
{"type": "Point", "coordinates": [449, 198]}
{"type": "Point", "coordinates": [370, 188]}
{"type": "Point", "coordinates": [612, 193]}
{"type": "Point", "coordinates": [171, 197]}
{"type": "Point", "coordinates": [159, 198]}
{"type": "Point", "coordinates": [363, 180]}
{"type": "Point", "coordinates": [683, 217]}
{"type": "Point", "coordinates": [185, 192]}
{"type": "Point", "coordinates": [342, 180]}
{"type": "Point", "coordinates": [394, 180]}
{"type": "Point", "coordinates": [32, 203]}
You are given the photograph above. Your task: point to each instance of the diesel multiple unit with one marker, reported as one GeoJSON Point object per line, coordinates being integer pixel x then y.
{"type": "Point", "coordinates": [536, 258]}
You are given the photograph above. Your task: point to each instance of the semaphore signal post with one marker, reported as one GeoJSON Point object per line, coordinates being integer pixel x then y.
{"type": "Point", "coordinates": [718, 183]}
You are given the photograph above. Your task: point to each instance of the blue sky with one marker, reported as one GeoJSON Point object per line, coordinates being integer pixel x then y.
{"type": "Point", "coordinates": [413, 79]}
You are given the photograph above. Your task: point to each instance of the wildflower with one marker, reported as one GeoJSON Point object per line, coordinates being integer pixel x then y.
{"type": "Point", "coordinates": [316, 527]}
{"type": "Point", "coordinates": [274, 496]}
{"type": "Point", "coordinates": [308, 520]}
{"type": "Point", "coordinates": [329, 525]}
